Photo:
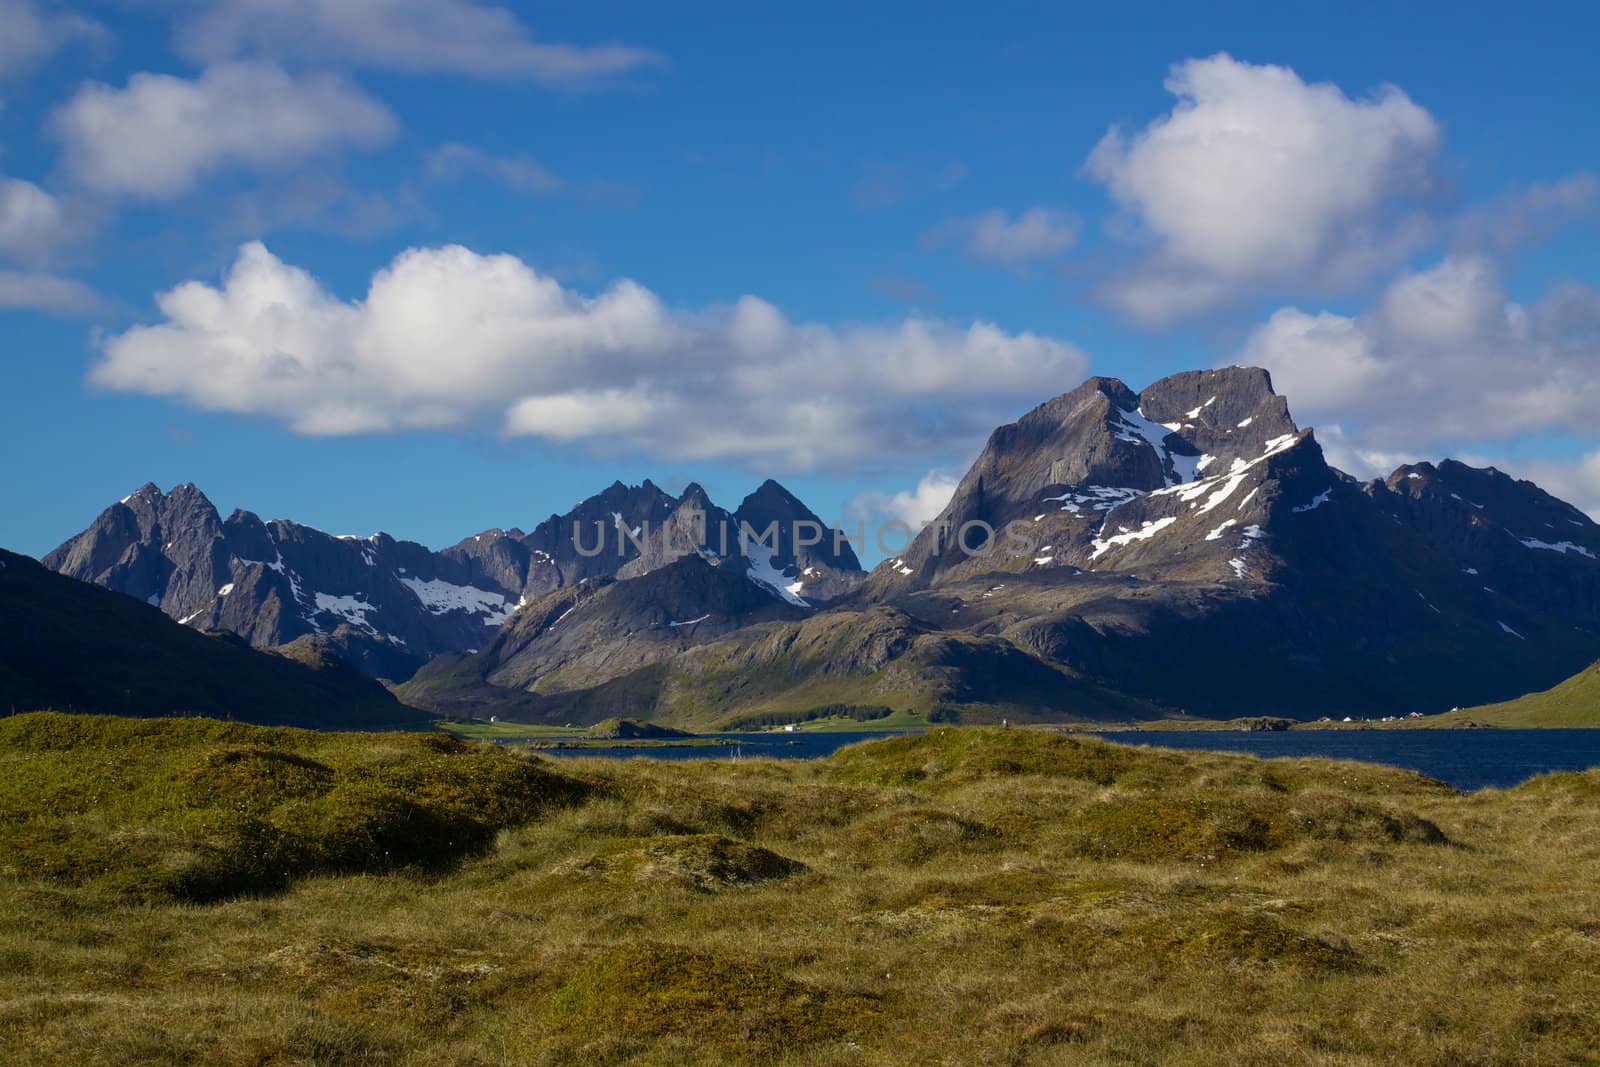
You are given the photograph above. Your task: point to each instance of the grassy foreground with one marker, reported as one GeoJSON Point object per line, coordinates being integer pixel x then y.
{"type": "Point", "coordinates": [203, 892]}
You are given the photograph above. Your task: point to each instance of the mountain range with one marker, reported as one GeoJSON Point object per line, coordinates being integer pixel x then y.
{"type": "Point", "coordinates": [388, 606]}
{"type": "Point", "coordinates": [1111, 554]}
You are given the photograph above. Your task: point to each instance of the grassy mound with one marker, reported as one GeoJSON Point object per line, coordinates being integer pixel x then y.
{"type": "Point", "coordinates": [1585, 784]}
{"type": "Point", "coordinates": [200, 810]}
{"type": "Point", "coordinates": [1198, 826]}
{"type": "Point", "coordinates": [644, 991]}
{"type": "Point", "coordinates": [707, 863]}
{"type": "Point", "coordinates": [950, 757]}
{"type": "Point", "coordinates": [914, 836]}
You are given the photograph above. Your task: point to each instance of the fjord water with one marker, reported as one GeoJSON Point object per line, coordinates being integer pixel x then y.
{"type": "Point", "coordinates": [1466, 759]}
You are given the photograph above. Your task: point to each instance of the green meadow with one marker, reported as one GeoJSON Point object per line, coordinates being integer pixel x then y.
{"type": "Point", "coordinates": [193, 891]}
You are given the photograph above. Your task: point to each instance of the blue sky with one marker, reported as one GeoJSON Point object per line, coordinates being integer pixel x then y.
{"type": "Point", "coordinates": [750, 242]}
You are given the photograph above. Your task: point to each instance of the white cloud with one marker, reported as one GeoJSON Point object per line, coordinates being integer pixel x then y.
{"type": "Point", "coordinates": [413, 36]}
{"type": "Point", "coordinates": [914, 507]}
{"type": "Point", "coordinates": [1502, 224]}
{"type": "Point", "coordinates": [1576, 481]}
{"type": "Point", "coordinates": [23, 290]}
{"type": "Point", "coordinates": [446, 337]}
{"type": "Point", "coordinates": [1256, 180]}
{"type": "Point", "coordinates": [1444, 357]}
{"type": "Point", "coordinates": [993, 237]}
{"type": "Point", "coordinates": [31, 220]}
{"type": "Point", "coordinates": [33, 34]}
{"type": "Point", "coordinates": [158, 136]}
{"type": "Point", "coordinates": [451, 162]}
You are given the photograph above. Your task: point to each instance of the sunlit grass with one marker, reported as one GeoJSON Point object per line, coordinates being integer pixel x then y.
{"type": "Point", "coordinates": [969, 896]}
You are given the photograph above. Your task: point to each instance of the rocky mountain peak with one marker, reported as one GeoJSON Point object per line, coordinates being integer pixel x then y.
{"type": "Point", "coordinates": [1073, 461]}
{"type": "Point", "coordinates": [694, 495]}
{"type": "Point", "coordinates": [806, 557]}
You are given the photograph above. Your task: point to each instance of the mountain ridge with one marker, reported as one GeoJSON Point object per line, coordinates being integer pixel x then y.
{"type": "Point", "coordinates": [390, 605]}
{"type": "Point", "coordinates": [1184, 547]}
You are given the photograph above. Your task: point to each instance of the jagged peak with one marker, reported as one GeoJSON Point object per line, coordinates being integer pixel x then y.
{"type": "Point", "coordinates": [147, 491]}
{"type": "Point", "coordinates": [694, 493]}
{"type": "Point", "coordinates": [1222, 398]}
{"type": "Point", "coordinates": [772, 493]}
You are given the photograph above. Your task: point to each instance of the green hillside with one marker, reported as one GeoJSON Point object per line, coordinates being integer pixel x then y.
{"type": "Point", "coordinates": [1573, 703]}
{"type": "Point", "coordinates": [73, 646]}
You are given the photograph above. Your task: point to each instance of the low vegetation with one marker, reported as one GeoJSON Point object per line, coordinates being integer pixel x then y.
{"type": "Point", "coordinates": [1574, 703]}
{"type": "Point", "coordinates": [207, 892]}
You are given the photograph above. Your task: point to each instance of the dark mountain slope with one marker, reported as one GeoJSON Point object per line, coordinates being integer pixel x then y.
{"type": "Point", "coordinates": [70, 645]}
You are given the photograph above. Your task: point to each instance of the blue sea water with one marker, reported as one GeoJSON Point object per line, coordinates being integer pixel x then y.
{"type": "Point", "coordinates": [1466, 759]}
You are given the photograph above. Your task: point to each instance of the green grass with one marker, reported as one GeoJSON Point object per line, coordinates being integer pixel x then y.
{"type": "Point", "coordinates": [1573, 703]}
{"type": "Point", "coordinates": [200, 810]}
{"type": "Point", "coordinates": [892, 721]}
{"type": "Point", "coordinates": [970, 895]}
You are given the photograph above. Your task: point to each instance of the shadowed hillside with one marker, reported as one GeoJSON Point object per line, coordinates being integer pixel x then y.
{"type": "Point", "coordinates": [70, 645]}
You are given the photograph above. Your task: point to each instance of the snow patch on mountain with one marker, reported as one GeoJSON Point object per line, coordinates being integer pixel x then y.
{"type": "Point", "coordinates": [1316, 502]}
{"type": "Point", "coordinates": [1143, 533]}
{"type": "Point", "coordinates": [351, 609]}
{"type": "Point", "coordinates": [1134, 427]}
{"type": "Point", "coordinates": [1562, 547]}
{"type": "Point", "coordinates": [1095, 497]}
{"type": "Point", "coordinates": [764, 573]}
{"type": "Point", "coordinates": [441, 597]}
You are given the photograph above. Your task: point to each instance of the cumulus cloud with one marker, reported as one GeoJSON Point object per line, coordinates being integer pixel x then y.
{"type": "Point", "coordinates": [33, 34]}
{"type": "Point", "coordinates": [448, 338]}
{"type": "Point", "coordinates": [914, 507]}
{"type": "Point", "coordinates": [31, 220]}
{"type": "Point", "coordinates": [1446, 361]}
{"type": "Point", "coordinates": [1502, 224]}
{"type": "Point", "coordinates": [158, 136]}
{"type": "Point", "coordinates": [25, 290]}
{"type": "Point", "coordinates": [1444, 356]}
{"type": "Point", "coordinates": [1256, 180]}
{"type": "Point", "coordinates": [994, 237]}
{"type": "Point", "coordinates": [412, 36]}
{"type": "Point", "coordinates": [1576, 480]}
